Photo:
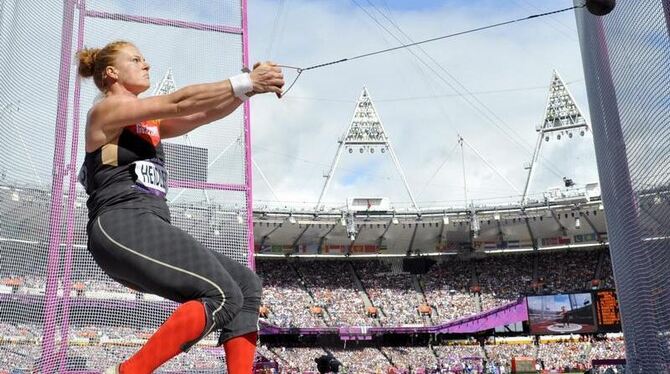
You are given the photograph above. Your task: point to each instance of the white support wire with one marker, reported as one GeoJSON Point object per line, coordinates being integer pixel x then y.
{"type": "Point", "coordinates": [467, 95]}
{"type": "Point", "coordinates": [237, 140]}
{"type": "Point", "coordinates": [265, 179]}
{"type": "Point", "coordinates": [491, 166]}
{"type": "Point", "coordinates": [11, 108]}
{"type": "Point", "coordinates": [331, 172]}
{"type": "Point", "coordinates": [425, 186]}
{"type": "Point", "coordinates": [552, 22]}
{"type": "Point", "coordinates": [402, 174]}
{"type": "Point", "coordinates": [277, 27]}
{"type": "Point", "coordinates": [465, 185]}
{"type": "Point", "coordinates": [533, 162]}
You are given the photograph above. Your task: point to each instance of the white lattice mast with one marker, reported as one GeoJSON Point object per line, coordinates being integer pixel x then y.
{"type": "Point", "coordinates": [367, 134]}
{"type": "Point", "coordinates": [561, 117]}
{"type": "Point", "coordinates": [166, 85]}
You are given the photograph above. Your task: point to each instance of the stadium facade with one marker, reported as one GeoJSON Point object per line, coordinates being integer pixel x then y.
{"type": "Point", "coordinates": [63, 314]}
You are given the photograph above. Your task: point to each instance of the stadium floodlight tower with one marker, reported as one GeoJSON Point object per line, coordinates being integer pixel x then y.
{"type": "Point", "coordinates": [561, 117]}
{"type": "Point", "coordinates": [166, 85]}
{"type": "Point", "coordinates": [366, 134]}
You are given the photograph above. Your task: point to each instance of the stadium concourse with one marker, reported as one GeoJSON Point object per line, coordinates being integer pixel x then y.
{"type": "Point", "coordinates": [403, 277]}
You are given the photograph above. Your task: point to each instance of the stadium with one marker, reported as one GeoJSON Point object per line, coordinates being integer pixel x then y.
{"type": "Point", "coordinates": [562, 276]}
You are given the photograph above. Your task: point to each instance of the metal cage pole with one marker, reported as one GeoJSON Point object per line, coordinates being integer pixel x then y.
{"type": "Point", "coordinates": [251, 263]}
{"type": "Point", "coordinates": [58, 177]}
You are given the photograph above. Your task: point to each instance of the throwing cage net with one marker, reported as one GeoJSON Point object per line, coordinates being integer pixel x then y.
{"type": "Point", "coordinates": [58, 311]}
{"type": "Point", "coordinates": [627, 68]}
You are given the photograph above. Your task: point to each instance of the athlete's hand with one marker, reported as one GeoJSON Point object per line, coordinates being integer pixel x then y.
{"type": "Point", "coordinates": [267, 77]}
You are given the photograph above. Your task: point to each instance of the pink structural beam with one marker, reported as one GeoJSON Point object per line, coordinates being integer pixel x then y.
{"type": "Point", "coordinates": [164, 22]}
{"type": "Point", "coordinates": [71, 198]}
{"type": "Point", "coordinates": [56, 205]}
{"type": "Point", "coordinates": [247, 143]}
{"type": "Point", "coordinates": [206, 185]}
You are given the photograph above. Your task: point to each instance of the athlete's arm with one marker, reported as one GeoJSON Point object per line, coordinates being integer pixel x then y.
{"type": "Point", "coordinates": [118, 111]}
{"type": "Point", "coordinates": [172, 127]}
{"type": "Point", "coordinates": [265, 78]}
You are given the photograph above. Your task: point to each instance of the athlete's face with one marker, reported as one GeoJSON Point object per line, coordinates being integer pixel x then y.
{"type": "Point", "coordinates": [132, 70]}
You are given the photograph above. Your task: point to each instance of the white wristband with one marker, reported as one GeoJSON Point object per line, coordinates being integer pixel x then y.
{"type": "Point", "coordinates": [241, 85]}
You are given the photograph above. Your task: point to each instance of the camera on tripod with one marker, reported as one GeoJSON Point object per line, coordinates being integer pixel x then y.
{"type": "Point", "coordinates": [327, 364]}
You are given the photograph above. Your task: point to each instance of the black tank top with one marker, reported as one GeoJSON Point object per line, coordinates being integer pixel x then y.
{"type": "Point", "coordinates": [128, 173]}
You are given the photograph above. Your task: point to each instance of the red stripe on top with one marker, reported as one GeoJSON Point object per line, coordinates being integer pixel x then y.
{"type": "Point", "coordinates": [147, 130]}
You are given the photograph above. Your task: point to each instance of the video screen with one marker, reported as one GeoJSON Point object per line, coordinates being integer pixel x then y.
{"type": "Point", "coordinates": [561, 314]}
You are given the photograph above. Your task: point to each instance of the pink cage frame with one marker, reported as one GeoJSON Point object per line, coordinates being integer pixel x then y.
{"type": "Point", "coordinates": [53, 357]}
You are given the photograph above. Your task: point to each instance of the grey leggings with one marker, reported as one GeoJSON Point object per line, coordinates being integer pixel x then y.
{"type": "Point", "coordinates": [143, 251]}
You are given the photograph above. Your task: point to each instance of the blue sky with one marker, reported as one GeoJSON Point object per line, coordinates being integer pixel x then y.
{"type": "Point", "coordinates": [427, 5]}
{"type": "Point", "coordinates": [411, 5]}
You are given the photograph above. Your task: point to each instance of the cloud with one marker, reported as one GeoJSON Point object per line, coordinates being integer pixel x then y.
{"type": "Point", "coordinates": [418, 102]}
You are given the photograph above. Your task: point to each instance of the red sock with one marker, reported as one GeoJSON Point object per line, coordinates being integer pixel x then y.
{"type": "Point", "coordinates": [240, 353]}
{"type": "Point", "coordinates": [185, 324]}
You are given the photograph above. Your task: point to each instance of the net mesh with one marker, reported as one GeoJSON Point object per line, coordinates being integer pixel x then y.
{"type": "Point", "coordinates": [626, 63]}
{"type": "Point", "coordinates": [58, 311]}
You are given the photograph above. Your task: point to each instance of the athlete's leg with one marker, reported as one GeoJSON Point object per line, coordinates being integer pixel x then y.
{"type": "Point", "coordinates": [139, 248]}
{"type": "Point", "coordinates": [239, 335]}
{"type": "Point", "coordinates": [250, 284]}
{"type": "Point", "coordinates": [184, 327]}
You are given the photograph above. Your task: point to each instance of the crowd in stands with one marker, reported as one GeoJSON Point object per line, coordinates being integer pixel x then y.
{"type": "Point", "coordinates": [286, 297]}
{"type": "Point", "coordinates": [411, 357]}
{"type": "Point", "coordinates": [294, 360]}
{"type": "Point", "coordinates": [34, 284]}
{"type": "Point", "coordinates": [393, 292]}
{"type": "Point", "coordinates": [361, 360]}
{"type": "Point", "coordinates": [446, 286]}
{"type": "Point", "coordinates": [309, 293]}
{"type": "Point", "coordinates": [607, 273]}
{"type": "Point", "coordinates": [557, 357]}
{"type": "Point", "coordinates": [20, 347]}
{"type": "Point", "coordinates": [455, 357]}
{"type": "Point", "coordinates": [572, 353]}
{"type": "Point", "coordinates": [567, 271]}
{"type": "Point", "coordinates": [321, 293]}
{"type": "Point", "coordinates": [32, 332]}
{"type": "Point", "coordinates": [502, 279]}
{"type": "Point", "coordinates": [332, 286]}
{"type": "Point", "coordinates": [23, 330]}
{"type": "Point", "coordinates": [561, 355]}
{"type": "Point", "coordinates": [577, 355]}
{"type": "Point", "coordinates": [609, 348]}
{"type": "Point", "coordinates": [13, 356]}
{"type": "Point", "coordinates": [502, 354]}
